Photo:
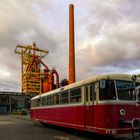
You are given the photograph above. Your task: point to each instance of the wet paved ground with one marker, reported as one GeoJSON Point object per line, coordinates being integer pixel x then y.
{"type": "Point", "coordinates": [19, 128]}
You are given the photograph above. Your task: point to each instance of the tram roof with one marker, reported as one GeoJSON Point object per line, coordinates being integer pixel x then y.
{"type": "Point", "coordinates": [125, 77]}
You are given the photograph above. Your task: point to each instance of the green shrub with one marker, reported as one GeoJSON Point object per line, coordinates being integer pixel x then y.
{"type": "Point", "coordinates": [23, 112]}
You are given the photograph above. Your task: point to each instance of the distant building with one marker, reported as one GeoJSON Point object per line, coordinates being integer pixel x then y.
{"type": "Point", "coordinates": [13, 101]}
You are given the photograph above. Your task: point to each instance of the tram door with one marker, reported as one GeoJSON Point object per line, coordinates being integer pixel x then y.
{"type": "Point", "coordinates": [89, 105]}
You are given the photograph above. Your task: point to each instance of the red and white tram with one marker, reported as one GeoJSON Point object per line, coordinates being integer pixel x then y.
{"type": "Point", "coordinates": [105, 104]}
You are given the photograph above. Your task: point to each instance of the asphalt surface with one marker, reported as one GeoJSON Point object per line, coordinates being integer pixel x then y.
{"type": "Point", "coordinates": [21, 128]}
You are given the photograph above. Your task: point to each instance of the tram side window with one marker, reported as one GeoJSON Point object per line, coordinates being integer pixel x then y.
{"type": "Point", "coordinates": [43, 101]}
{"type": "Point", "coordinates": [33, 103]}
{"type": "Point", "coordinates": [36, 102]}
{"type": "Point", "coordinates": [92, 92]}
{"type": "Point", "coordinates": [107, 90]}
{"type": "Point", "coordinates": [46, 100]}
{"type": "Point", "coordinates": [49, 100]}
{"type": "Point", "coordinates": [125, 90]}
{"type": "Point", "coordinates": [56, 99]}
{"type": "Point", "coordinates": [75, 95]}
{"type": "Point", "coordinates": [64, 97]}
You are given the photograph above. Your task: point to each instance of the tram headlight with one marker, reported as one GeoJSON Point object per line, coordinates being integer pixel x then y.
{"type": "Point", "coordinates": [136, 123]}
{"type": "Point", "coordinates": [122, 112]}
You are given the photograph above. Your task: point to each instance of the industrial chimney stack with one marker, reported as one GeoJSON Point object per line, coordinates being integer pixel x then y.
{"type": "Point", "coordinates": [71, 45]}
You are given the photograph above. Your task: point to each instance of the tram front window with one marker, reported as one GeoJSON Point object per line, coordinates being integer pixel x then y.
{"type": "Point", "coordinates": [107, 90]}
{"type": "Point", "coordinates": [125, 90]}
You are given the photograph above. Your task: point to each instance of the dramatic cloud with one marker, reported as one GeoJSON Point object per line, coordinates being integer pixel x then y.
{"type": "Point", "coordinates": [112, 39]}
{"type": "Point", "coordinates": [20, 24]}
{"type": "Point", "coordinates": [106, 33]}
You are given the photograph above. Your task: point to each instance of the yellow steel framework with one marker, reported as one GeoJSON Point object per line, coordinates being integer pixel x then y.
{"type": "Point", "coordinates": [32, 75]}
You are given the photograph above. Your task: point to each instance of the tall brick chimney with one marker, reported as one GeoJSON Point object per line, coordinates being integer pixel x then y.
{"type": "Point", "coordinates": [71, 45]}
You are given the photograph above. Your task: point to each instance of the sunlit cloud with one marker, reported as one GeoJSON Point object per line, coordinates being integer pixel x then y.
{"type": "Point", "coordinates": [4, 74]}
{"type": "Point", "coordinates": [106, 36]}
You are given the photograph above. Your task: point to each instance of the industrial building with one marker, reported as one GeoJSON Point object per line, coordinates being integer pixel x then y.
{"type": "Point", "coordinates": [13, 101]}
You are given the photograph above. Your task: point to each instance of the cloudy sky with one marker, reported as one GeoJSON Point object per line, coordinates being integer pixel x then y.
{"type": "Point", "coordinates": [106, 36]}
